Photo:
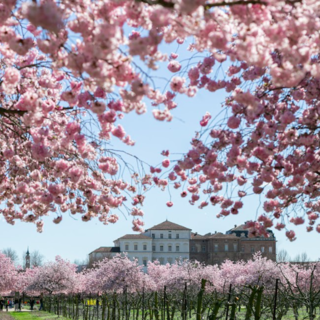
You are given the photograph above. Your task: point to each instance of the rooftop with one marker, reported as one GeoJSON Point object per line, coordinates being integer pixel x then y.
{"type": "Point", "coordinates": [168, 225]}
{"type": "Point", "coordinates": [106, 250]}
{"type": "Point", "coordinates": [134, 236]}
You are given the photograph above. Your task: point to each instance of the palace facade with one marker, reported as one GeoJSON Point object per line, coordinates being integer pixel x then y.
{"type": "Point", "coordinates": [168, 242]}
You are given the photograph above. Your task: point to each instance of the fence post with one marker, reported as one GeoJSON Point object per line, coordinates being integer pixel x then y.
{"type": "Point", "coordinates": [275, 300]}
{"type": "Point", "coordinates": [229, 298]}
{"type": "Point", "coordinates": [164, 302]}
{"type": "Point", "coordinates": [185, 302]}
{"type": "Point", "coordinates": [143, 303]}
{"type": "Point", "coordinates": [126, 301]}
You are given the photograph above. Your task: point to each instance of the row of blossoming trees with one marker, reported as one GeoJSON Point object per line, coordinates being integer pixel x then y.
{"type": "Point", "coordinates": [120, 287]}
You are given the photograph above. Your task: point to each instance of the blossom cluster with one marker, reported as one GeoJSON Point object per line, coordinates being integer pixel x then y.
{"type": "Point", "coordinates": [120, 273]}
{"type": "Point", "coordinates": [67, 64]}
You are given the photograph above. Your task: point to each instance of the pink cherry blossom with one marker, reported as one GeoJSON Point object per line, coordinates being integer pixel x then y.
{"type": "Point", "coordinates": [174, 66]}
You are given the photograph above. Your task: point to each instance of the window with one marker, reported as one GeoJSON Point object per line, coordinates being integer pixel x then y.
{"type": "Point", "coordinates": [235, 247]}
{"type": "Point", "coordinates": [226, 247]}
{"type": "Point", "coordinates": [153, 248]}
{"type": "Point", "coordinates": [135, 247]}
{"type": "Point", "coordinates": [215, 247]}
{"type": "Point", "coordinates": [145, 262]}
{"type": "Point", "coordinates": [161, 248]}
{"type": "Point", "coordinates": [126, 247]}
{"type": "Point", "coordinates": [169, 260]}
{"type": "Point", "coordinates": [177, 248]}
{"type": "Point", "coordinates": [170, 248]}
{"type": "Point", "coordinates": [252, 249]}
{"type": "Point", "coordinates": [170, 235]}
{"type": "Point", "coordinates": [153, 236]}
{"type": "Point", "coordinates": [203, 248]}
{"type": "Point", "coordinates": [262, 249]}
{"type": "Point", "coordinates": [270, 249]}
{"type": "Point", "coordinates": [144, 247]}
{"type": "Point", "coordinates": [161, 260]}
{"type": "Point", "coordinates": [177, 236]}
{"type": "Point", "coordinates": [193, 248]}
{"type": "Point", "coordinates": [161, 235]}
{"type": "Point", "coordinates": [242, 249]}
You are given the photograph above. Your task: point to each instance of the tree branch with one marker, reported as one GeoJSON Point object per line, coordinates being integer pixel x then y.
{"type": "Point", "coordinates": [9, 111]}
{"type": "Point", "coordinates": [170, 5]}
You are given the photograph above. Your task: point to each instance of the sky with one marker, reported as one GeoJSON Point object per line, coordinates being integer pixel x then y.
{"type": "Point", "coordinates": [73, 239]}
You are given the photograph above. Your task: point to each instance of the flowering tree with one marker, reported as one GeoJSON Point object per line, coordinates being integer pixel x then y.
{"type": "Point", "coordinates": [55, 277]}
{"type": "Point", "coordinates": [24, 279]}
{"type": "Point", "coordinates": [8, 274]}
{"type": "Point", "coordinates": [115, 275]}
{"type": "Point", "coordinates": [71, 69]}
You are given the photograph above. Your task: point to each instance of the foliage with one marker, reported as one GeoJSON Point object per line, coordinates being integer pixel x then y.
{"type": "Point", "coordinates": [71, 70]}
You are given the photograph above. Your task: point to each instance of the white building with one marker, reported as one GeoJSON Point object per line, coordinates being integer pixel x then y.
{"type": "Point", "coordinates": [138, 246]}
{"type": "Point", "coordinates": [165, 242]}
{"type": "Point", "coordinates": [170, 242]}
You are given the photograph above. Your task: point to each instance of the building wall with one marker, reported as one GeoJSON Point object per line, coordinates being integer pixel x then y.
{"type": "Point", "coordinates": [217, 250]}
{"type": "Point", "coordinates": [98, 256]}
{"type": "Point", "coordinates": [162, 240]}
{"type": "Point", "coordinates": [140, 249]}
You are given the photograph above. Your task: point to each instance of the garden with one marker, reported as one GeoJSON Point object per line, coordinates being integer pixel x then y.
{"type": "Point", "coordinates": [118, 289]}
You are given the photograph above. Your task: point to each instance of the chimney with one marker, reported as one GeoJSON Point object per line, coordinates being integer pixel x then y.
{"type": "Point", "coordinates": [235, 225]}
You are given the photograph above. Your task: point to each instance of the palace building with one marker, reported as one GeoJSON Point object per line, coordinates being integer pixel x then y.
{"type": "Point", "coordinates": [168, 242]}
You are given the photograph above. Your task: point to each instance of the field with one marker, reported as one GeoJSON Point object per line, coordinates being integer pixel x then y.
{"type": "Point", "coordinates": [42, 315]}
{"type": "Point", "coordinates": [36, 315]}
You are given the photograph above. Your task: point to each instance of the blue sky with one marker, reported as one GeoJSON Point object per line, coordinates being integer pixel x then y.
{"type": "Point", "coordinates": [73, 239]}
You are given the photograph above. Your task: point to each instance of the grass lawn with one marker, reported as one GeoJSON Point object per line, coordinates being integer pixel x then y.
{"type": "Point", "coordinates": [36, 315]}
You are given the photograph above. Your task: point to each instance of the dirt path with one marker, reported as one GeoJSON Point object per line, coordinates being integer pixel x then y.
{"type": "Point", "coordinates": [5, 316]}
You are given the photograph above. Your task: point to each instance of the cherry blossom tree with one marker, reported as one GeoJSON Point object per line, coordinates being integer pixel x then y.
{"type": "Point", "coordinates": [55, 277]}
{"type": "Point", "coordinates": [71, 70]}
{"type": "Point", "coordinates": [115, 275]}
{"type": "Point", "coordinates": [8, 274]}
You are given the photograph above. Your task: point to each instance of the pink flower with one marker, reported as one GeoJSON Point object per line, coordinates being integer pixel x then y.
{"type": "Point", "coordinates": [193, 73]}
{"type": "Point", "coordinates": [165, 153]}
{"type": "Point", "coordinates": [279, 226]}
{"type": "Point", "coordinates": [47, 15]}
{"type": "Point", "coordinates": [169, 204]}
{"type": "Point", "coordinates": [166, 163]}
{"type": "Point", "coordinates": [73, 128]}
{"type": "Point", "coordinates": [297, 221]}
{"type": "Point", "coordinates": [176, 84]}
{"type": "Point", "coordinates": [172, 176]}
{"type": "Point", "coordinates": [242, 194]}
{"type": "Point", "coordinates": [174, 66]}
{"type": "Point", "coordinates": [12, 76]}
{"type": "Point", "coordinates": [98, 107]}
{"type": "Point", "coordinates": [233, 122]}
{"type": "Point", "coordinates": [291, 235]}
{"type": "Point", "coordinates": [288, 117]}
{"type": "Point", "coordinates": [8, 153]}
{"type": "Point", "coordinates": [39, 151]}
{"type": "Point", "coordinates": [75, 174]}
{"type": "Point", "coordinates": [57, 220]}
{"type": "Point", "coordinates": [119, 132]}
{"type": "Point", "coordinates": [205, 119]}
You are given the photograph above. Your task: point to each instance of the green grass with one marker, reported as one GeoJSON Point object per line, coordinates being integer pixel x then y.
{"type": "Point", "coordinates": [35, 315]}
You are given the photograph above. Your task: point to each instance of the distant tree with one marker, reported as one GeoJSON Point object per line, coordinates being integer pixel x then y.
{"type": "Point", "coordinates": [83, 262]}
{"type": "Point", "coordinates": [301, 257]}
{"type": "Point", "coordinates": [8, 274]}
{"type": "Point", "coordinates": [36, 259]}
{"type": "Point", "coordinates": [283, 256]}
{"type": "Point", "coordinates": [12, 254]}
